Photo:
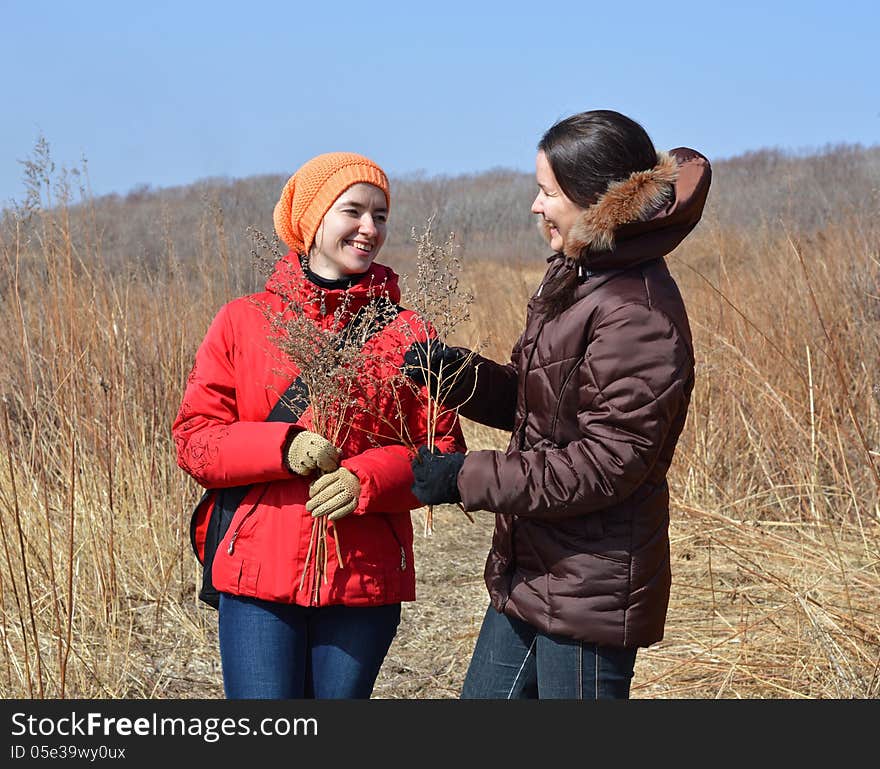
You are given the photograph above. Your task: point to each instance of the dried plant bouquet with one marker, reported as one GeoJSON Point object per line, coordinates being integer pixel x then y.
{"type": "Point", "coordinates": [436, 294]}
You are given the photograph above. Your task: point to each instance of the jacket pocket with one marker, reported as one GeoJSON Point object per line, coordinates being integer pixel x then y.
{"type": "Point", "coordinates": [250, 508]}
{"type": "Point", "coordinates": [400, 547]}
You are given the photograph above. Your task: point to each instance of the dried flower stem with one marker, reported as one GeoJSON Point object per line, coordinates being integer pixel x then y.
{"type": "Point", "coordinates": [443, 305]}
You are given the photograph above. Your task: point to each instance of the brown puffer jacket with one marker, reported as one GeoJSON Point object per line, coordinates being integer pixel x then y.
{"type": "Point", "coordinates": [596, 399]}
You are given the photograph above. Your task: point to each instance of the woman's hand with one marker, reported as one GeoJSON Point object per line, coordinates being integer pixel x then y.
{"type": "Point", "coordinates": [426, 363]}
{"type": "Point", "coordinates": [309, 451]}
{"type": "Point", "coordinates": [436, 476]}
{"type": "Point", "coordinates": [334, 495]}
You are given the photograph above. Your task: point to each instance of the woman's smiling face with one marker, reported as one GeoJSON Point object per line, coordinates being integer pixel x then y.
{"type": "Point", "coordinates": [351, 233]}
{"type": "Point", "coordinates": [558, 212]}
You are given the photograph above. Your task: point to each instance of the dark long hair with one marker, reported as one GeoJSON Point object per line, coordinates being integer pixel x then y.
{"type": "Point", "coordinates": [587, 152]}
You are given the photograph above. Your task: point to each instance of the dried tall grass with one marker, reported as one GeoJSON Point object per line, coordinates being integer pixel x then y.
{"type": "Point", "coordinates": [774, 487]}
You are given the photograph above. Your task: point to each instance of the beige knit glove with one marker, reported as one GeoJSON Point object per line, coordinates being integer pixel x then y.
{"type": "Point", "coordinates": [334, 494]}
{"type": "Point", "coordinates": [308, 451]}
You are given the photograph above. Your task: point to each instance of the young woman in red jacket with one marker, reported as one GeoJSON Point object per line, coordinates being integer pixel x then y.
{"type": "Point", "coordinates": [595, 396]}
{"type": "Point", "coordinates": [293, 623]}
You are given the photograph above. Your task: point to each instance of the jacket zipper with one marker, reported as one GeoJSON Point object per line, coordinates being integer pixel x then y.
{"type": "Point", "coordinates": [231, 547]}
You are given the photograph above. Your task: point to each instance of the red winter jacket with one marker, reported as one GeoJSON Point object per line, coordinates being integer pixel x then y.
{"type": "Point", "coordinates": [223, 440]}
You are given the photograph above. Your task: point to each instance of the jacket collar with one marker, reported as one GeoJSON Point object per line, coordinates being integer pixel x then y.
{"type": "Point", "coordinates": [290, 283]}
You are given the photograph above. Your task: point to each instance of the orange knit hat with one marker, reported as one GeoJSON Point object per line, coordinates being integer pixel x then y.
{"type": "Point", "coordinates": [311, 191]}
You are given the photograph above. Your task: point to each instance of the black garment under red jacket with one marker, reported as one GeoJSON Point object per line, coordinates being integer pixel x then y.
{"type": "Point", "coordinates": [596, 399]}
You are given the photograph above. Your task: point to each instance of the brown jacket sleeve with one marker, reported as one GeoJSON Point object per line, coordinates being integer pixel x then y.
{"type": "Point", "coordinates": [633, 383]}
{"type": "Point", "coordinates": [487, 391]}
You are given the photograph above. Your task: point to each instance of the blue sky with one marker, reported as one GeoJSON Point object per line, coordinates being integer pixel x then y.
{"type": "Point", "coordinates": [165, 93]}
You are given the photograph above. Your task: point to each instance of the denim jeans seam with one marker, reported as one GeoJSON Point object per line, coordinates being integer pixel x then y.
{"type": "Point", "coordinates": [596, 659]}
{"type": "Point", "coordinates": [580, 670]}
{"type": "Point", "coordinates": [522, 665]}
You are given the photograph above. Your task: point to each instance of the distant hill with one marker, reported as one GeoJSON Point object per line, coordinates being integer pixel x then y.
{"type": "Point", "coordinates": [489, 212]}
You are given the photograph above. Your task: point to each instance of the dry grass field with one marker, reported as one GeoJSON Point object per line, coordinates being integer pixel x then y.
{"type": "Point", "coordinates": [775, 487]}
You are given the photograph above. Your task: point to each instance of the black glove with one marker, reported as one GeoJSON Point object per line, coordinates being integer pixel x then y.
{"type": "Point", "coordinates": [444, 362]}
{"type": "Point", "coordinates": [436, 476]}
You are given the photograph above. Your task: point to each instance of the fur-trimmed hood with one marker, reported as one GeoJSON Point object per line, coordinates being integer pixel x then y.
{"type": "Point", "coordinates": [642, 217]}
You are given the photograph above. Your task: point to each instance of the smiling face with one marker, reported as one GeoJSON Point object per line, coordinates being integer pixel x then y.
{"type": "Point", "coordinates": [351, 233]}
{"type": "Point", "coordinates": [557, 211]}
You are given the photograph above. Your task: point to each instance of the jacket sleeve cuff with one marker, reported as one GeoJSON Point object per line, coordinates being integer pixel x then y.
{"type": "Point", "coordinates": [386, 479]}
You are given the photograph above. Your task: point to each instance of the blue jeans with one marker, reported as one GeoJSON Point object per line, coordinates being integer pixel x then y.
{"type": "Point", "coordinates": [272, 650]}
{"type": "Point", "coordinates": [514, 661]}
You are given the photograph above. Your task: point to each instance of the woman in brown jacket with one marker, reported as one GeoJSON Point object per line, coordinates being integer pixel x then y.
{"type": "Point", "coordinates": [595, 396]}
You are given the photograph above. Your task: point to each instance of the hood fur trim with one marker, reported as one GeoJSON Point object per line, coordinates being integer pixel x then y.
{"type": "Point", "coordinates": [634, 199]}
